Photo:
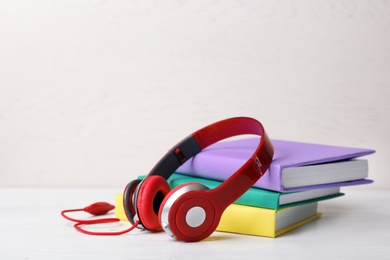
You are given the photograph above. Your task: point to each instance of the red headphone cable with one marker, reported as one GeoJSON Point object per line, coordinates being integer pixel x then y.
{"type": "Point", "coordinates": [78, 227]}
{"type": "Point", "coordinates": [98, 208]}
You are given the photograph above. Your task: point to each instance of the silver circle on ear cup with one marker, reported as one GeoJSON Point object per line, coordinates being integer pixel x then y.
{"type": "Point", "coordinates": [195, 216]}
{"type": "Point", "coordinates": [171, 200]}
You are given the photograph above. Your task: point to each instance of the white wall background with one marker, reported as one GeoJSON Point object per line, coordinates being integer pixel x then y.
{"type": "Point", "coordinates": [93, 93]}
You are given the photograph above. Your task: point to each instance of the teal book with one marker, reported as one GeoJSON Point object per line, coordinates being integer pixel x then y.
{"type": "Point", "coordinates": [257, 197]}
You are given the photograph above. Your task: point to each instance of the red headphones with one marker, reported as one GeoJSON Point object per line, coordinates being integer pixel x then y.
{"type": "Point", "coordinates": [190, 212]}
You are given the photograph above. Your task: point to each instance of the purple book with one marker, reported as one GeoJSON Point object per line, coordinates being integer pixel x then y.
{"type": "Point", "coordinates": [295, 165]}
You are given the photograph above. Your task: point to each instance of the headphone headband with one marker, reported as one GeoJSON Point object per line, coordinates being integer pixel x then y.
{"type": "Point", "coordinates": [194, 143]}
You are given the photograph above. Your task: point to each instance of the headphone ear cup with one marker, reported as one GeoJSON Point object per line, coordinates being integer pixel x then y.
{"type": "Point", "coordinates": [151, 193]}
{"type": "Point", "coordinates": [188, 214]}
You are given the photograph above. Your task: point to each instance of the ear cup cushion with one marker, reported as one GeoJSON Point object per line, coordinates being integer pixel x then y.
{"type": "Point", "coordinates": [150, 195]}
{"type": "Point", "coordinates": [128, 200]}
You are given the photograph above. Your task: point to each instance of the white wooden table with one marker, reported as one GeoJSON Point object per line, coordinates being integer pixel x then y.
{"type": "Point", "coordinates": [355, 226]}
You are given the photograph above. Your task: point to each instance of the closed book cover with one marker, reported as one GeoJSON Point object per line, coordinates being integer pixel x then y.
{"type": "Point", "coordinates": [307, 165]}
{"type": "Point", "coordinates": [266, 222]}
{"type": "Point", "coordinates": [257, 197]}
{"type": "Point", "coordinates": [255, 221]}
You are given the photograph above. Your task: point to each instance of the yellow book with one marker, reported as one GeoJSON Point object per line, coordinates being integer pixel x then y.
{"type": "Point", "coordinates": [266, 222]}
{"type": "Point", "coordinates": [119, 210]}
{"type": "Point", "coordinates": [254, 221]}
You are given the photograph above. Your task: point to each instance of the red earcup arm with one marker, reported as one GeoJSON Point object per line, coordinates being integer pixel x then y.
{"type": "Point", "coordinates": [245, 177]}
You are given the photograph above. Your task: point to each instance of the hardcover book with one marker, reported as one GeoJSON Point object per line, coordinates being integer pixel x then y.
{"type": "Point", "coordinates": [255, 221]}
{"type": "Point", "coordinates": [296, 166]}
{"type": "Point", "coordinates": [266, 222]}
{"type": "Point", "coordinates": [257, 197]}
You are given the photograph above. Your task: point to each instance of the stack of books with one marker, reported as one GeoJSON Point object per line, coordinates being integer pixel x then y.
{"type": "Point", "coordinates": [300, 176]}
